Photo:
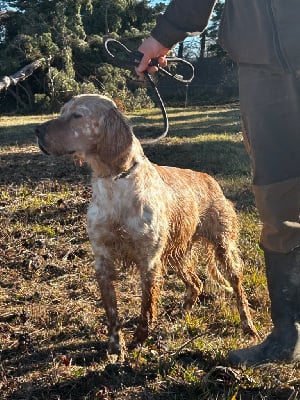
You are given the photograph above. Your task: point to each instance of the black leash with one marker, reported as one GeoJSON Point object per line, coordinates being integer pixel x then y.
{"type": "Point", "coordinates": [128, 59]}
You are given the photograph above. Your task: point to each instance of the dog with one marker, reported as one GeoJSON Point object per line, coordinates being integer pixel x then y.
{"type": "Point", "coordinates": [144, 214]}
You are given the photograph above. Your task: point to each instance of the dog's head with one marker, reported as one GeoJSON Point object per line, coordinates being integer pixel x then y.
{"type": "Point", "coordinates": [88, 124]}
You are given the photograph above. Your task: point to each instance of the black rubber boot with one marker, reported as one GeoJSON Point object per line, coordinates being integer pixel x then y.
{"type": "Point", "coordinates": [283, 343]}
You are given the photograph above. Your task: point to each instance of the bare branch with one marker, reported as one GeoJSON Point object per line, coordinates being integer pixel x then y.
{"type": "Point", "coordinates": [21, 75]}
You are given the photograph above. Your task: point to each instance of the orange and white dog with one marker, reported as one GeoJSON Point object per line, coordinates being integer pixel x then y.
{"type": "Point", "coordinates": [144, 214]}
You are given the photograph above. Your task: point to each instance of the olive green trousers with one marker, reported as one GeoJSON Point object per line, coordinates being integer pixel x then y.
{"type": "Point", "coordinates": [270, 112]}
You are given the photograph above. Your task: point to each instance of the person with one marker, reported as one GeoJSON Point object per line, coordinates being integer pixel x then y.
{"type": "Point", "coordinates": [262, 37]}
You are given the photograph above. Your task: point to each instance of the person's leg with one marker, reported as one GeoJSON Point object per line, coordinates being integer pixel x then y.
{"type": "Point", "coordinates": [270, 109]}
{"type": "Point", "coordinates": [283, 343]}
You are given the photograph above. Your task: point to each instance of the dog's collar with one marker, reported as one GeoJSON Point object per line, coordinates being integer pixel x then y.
{"type": "Point", "coordinates": [126, 173]}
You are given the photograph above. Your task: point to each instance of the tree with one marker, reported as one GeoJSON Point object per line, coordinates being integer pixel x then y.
{"type": "Point", "coordinates": [69, 36]}
{"type": "Point", "coordinates": [205, 44]}
{"type": "Point", "coordinates": [213, 30]}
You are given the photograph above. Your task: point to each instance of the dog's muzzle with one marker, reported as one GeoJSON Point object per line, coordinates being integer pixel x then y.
{"type": "Point", "coordinates": [40, 132]}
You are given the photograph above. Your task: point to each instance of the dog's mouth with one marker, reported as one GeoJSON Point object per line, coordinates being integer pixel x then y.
{"type": "Point", "coordinates": [42, 148]}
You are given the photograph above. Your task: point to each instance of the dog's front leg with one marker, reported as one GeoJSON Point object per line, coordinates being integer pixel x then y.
{"type": "Point", "coordinates": [151, 280]}
{"type": "Point", "coordinates": [105, 275]}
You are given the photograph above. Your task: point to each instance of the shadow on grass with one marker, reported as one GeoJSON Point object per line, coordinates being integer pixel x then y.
{"type": "Point", "coordinates": [215, 122]}
{"type": "Point", "coordinates": [216, 157]}
{"type": "Point", "coordinates": [21, 167]}
{"type": "Point", "coordinates": [17, 135]}
{"type": "Point", "coordinates": [90, 383]}
{"type": "Point", "coordinates": [113, 381]}
{"type": "Point", "coordinates": [188, 123]}
{"type": "Point", "coordinates": [223, 158]}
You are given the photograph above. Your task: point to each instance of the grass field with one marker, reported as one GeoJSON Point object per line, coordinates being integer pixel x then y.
{"type": "Point", "coordinates": [52, 323]}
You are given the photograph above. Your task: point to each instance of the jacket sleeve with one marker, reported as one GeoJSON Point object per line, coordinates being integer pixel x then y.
{"type": "Point", "coordinates": [182, 18]}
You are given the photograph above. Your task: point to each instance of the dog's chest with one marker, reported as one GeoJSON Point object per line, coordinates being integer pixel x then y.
{"type": "Point", "coordinates": [122, 209]}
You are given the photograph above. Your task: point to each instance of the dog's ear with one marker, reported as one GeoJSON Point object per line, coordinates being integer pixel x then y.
{"type": "Point", "coordinates": [116, 135]}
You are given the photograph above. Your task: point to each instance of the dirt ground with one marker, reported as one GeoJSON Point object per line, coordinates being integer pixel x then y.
{"type": "Point", "coordinates": [52, 324]}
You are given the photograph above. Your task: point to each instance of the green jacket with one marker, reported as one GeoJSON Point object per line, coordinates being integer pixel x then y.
{"type": "Point", "coordinates": [251, 31]}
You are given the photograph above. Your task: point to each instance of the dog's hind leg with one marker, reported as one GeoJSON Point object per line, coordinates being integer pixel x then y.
{"type": "Point", "coordinates": [230, 265]}
{"type": "Point", "coordinates": [226, 256]}
{"type": "Point", "coordinates": [183, 261]}
{"type": "Point", "coordinates": [193, 285]}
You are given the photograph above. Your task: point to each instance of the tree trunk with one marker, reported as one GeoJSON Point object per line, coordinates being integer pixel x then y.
{"type": "Point", "coordinates": [202, 44]}
{"type": "Point", "coordinates": [180, 50]}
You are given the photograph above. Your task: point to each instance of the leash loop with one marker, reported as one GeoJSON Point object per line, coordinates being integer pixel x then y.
{"type": "Point", "coordinates": [133, 58]}
{"type": "Point", "coordinates": [129, 59]}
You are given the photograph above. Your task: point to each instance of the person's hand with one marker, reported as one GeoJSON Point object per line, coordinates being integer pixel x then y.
{"type": "Point", "coordinates": [151, 48]}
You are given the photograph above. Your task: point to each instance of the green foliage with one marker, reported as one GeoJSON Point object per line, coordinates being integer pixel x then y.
{"type": "Point", "coordinates": [62, 86]}
{"type": "Point", "coordinates": [115, 83]}
{"type": "Point", "coordinates": [213, 30]}
{"type": "Point", "coordinates": [69, 36]}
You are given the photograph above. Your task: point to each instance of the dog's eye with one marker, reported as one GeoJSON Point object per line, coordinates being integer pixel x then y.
{"type": "Point", "coordinates": [76, 115]}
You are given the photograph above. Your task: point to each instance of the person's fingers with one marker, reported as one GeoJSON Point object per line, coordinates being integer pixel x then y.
{"type": "Point", "coordinates": [152, 69]}
{"type": "Point", "coordinates": [162, 61]}
{"type": "Point", "coordinates": [144, 65]}
{"type": "Point", "coordinates": [151, 49]}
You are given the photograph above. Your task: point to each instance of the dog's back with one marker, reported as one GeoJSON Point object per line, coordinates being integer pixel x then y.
{"type": "Point", "coordinates": [199, 203]}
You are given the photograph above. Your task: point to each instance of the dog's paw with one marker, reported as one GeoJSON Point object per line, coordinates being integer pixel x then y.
{"type": "Point", "coordinates": [140, 334]}
{"type": "Point", "coordinates": [116, 350]}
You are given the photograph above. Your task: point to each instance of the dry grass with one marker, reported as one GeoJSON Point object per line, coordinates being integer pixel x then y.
{"type": "Point", "coordinates": [52, 324]}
